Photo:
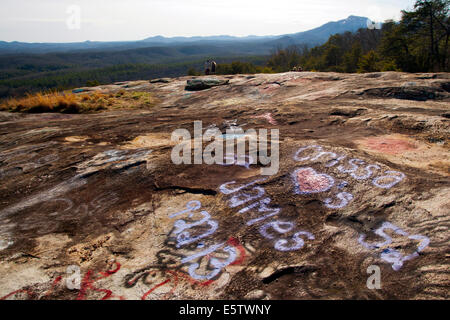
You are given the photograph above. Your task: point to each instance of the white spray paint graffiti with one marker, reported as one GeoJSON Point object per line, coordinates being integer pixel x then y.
{"type": "Point", "coordinates": [6, 235]}
{"type": "Point", "coordinates": [281, 227]}
{"type": "Point", "coordinates": [4, 244]}
{"type": "Point", "coordinates": [393, 256]}
{"type": "Point", "coordinates": [298, 240]}
{"type": "Point", "coordinates": [215, 262]}
{"type": "Point", "coordinates": [262, 208]}
{"type": "Point", "coordinates": [67, 210]}
{"type": "Point", "coordinates": [352, 167]}
{"type": "Point", "coordinates": [308, 181]}
{"type": "Point", "coordinates": [185, 238]}
{"type": "Point", "coordinates": [99, 203]}
{"type": "Point", "coordinates": [112, 159]}
{"type": "Point", "coordinates": [224, 188]}
{"type": "Point", "coordinates": [238, 160]}
{"type": "Point", "coordinates": [394, 175]}
{"type": "Point", "coordinates": [47, 195]}
{"type": "Point", "coordinates": [242, 198]}
{"type": "Point", "coordinates": [68, 202]}
{"type": "Point", "coordinates": [14, 167]}
{"type": "Point", "coordinates": [344, 198]}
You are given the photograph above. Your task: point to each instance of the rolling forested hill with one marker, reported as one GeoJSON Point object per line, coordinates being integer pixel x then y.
{"type": "Point", "coordinates": [38, 66]}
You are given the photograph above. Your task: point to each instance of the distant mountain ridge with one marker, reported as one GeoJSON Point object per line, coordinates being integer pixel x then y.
{"type": "Point", "coordinates": [321, 34]}
{"type": "Point", "coordinates": [239, 45]}
{"type": "Point", "coordinates": [162, 39]}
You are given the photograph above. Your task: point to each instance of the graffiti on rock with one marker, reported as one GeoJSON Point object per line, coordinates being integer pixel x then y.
{"type": "Point", "coordinates": [308, 180]}
{"type": "Point", "coordinates": [393, 256]}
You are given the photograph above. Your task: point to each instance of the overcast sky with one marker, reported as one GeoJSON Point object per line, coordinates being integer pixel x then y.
{"type": "Point", "coordinates": [111, 20]}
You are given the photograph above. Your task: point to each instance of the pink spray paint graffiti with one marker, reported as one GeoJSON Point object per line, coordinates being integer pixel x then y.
{"type": "Point", "coordinates": [309, 181]}
{"type": "Point", "coordinates": [268, 117]}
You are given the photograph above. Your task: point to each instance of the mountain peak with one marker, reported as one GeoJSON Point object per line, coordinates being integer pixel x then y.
{"type": "Point", "coordinates": [352, 17]}
{"type": "Point", "coordinates": [253, 44]}
{"type": "Point", "coordinates": [353, 20]}
{"type": "Point", "coordinates": [321, 34]}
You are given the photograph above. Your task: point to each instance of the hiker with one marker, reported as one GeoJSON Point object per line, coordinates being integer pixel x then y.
{"type": "Point", "coordinates": [213, 67]}
{"type": "Point", "coordinates": [207, 67]}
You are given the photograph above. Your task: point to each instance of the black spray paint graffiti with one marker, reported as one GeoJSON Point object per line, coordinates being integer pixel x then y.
{"type": "Point", "coordinates": [190, 256]}
{"type": "Point", "coordinates": [170, 270]}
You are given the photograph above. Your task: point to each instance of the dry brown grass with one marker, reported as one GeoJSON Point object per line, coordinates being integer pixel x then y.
{"type": "Point", "coordinates": [64, 102]}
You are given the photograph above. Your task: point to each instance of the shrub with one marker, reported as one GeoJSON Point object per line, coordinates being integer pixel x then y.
{"type": "Point", "coordinates": [193, 72]}
{"type": "Point", "coordinates": [238, 67]}
{"type": "Point", "coordinates": [369, 63]}
{"type": "Point", "coordinates": [92, 83]}
{"type": "Point", "coordinates": [43, 102]}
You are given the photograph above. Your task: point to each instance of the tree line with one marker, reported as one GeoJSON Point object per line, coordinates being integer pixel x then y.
{"type": "Point", "coordinates": [419, 42]}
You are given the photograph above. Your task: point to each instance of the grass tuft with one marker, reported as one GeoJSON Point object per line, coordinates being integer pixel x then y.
{"type": "Point", "coordinates": [63, 102]}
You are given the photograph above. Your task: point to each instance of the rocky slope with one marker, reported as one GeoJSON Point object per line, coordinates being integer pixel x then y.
{"type": "Point", "coordinates": [363, 180]}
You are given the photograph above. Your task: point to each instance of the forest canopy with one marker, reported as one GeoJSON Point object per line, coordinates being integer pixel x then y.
{"type": "Point", "coordinates": [419, 42]}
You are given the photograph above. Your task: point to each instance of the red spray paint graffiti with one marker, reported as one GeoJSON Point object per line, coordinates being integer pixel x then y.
{"type": "Point", "coordinates": [268, 117]}
{"type": "Point", "coordinates": [389, 145]}
{"type": "Point", "coordinates": [27, 291]}
{"type": "Point", "coordinates": [87, 284]}
{"type": "Point", "coordinates": [89, 280]}
{"type": "Point", "coordinates": [175, 275]}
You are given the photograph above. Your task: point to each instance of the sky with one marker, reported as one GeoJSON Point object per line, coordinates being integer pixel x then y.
{"type": "Point", "coordinates": [128, 20]}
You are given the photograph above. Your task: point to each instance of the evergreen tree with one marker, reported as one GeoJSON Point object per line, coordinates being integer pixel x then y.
{"type": "Point", "coordinates": [351, 59]}
{"type": "Point", "coordinates": [427, 29]}
{"type": "Point", "coordinates": [369, 62]}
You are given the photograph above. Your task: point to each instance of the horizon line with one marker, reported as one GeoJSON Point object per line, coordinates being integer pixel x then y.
{"type": "Point", "coordinates": [181, 36]}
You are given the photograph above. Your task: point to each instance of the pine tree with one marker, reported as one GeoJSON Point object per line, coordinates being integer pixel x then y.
{"type": "Point", "coordinates": [369, 63]}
